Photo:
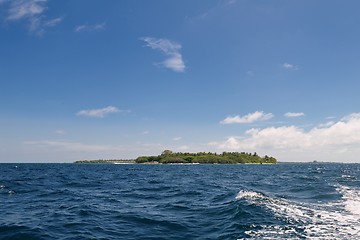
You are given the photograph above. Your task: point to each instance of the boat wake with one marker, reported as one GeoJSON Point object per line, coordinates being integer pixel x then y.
{"type": "Point", "coordinates": [334, 220]}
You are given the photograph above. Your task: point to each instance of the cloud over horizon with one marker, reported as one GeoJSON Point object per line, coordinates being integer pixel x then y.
{"type": "Point", "coordinates": [169, 48]}
{"type": "Point", "coordinates": [249, 118]}
{"type": "Point", "coordinates": [342, 137]}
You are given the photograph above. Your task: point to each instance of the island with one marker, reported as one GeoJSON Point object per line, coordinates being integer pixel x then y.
{"type": "Point", "coordinates": [169, 157]}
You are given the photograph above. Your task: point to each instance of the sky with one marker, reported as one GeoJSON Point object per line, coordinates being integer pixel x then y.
{"type": "Point", "coordinates": [120, 79]}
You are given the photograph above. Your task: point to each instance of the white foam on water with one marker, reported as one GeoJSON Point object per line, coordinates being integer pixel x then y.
{"type": "Point", "coordinates": [275, 205]}
{"type": "Point", "coordinates": [348, 177]}
{"type": "Point", "coordinates": [336, 220]}
{"type": "Point", "coordinates": [243, 194]}
{"type": "Point", "coordinates": [351, 199]}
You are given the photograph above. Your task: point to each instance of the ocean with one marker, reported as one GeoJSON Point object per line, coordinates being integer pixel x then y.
{"type": "Point", "coordinates": [134, 201]}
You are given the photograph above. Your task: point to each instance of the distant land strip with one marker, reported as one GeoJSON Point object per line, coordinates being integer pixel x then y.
{"type": "Point", "coordinates": [169, 157]}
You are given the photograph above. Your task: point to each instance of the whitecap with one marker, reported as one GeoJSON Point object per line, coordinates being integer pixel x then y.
{"type": "Point", "coordinates": [244, 194]}
{"type": "Point", "coordinates": [348, 177]}
{"type": "Point", "coordinates": [334, 220]}
{"type": "Point", "coordinates": [276, 205]}
{"type": "Point", "coordinates": [351, 199]}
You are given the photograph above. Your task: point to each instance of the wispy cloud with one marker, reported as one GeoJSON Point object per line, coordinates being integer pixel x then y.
{"type": "Point", "coordinates": [90, 28]}
{"type": "Point", "coordinates": [73, 146]}
{"type": "Point", "coordinates": [53, 22]}
{"type": "Point", "coordinates": [182, 148]}
{"type": "Point", "coordinates": [21, 9]}
{"type": "Point", "coordinates": [289, 66]}
{"type": "Point", "coordinates": [330, 117]}
{"type": "Point", "coordinates": [218, 7]}
{"type": "Point", "coordinates": [177, 138]}
{"type": "Point", "coordinates": [249, 118]}
{"type": "Point", "coordinates": [327, 124]}
{"type": "Point", "coordinates": [230, 2]}
{"type": "Point", "coordinates": [294, 114]}
{"type": "Point", "coordinates": [169, 48]}
{"type": "Point", "coordinates": [31, 11]}
{"type": "Point", "coordinates": [60, 132]}
{"type": "Point", "coordinates": [99, 113]}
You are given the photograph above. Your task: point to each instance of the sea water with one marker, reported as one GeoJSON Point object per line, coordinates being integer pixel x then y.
{"type": "Point", "coordinates": [114, 201]}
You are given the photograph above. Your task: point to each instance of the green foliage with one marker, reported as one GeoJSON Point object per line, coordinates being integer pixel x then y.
{"type": "Point", "coordinates": [168, 156]}
{"type": "Point", "coordinates": [147, 159]}
{"type": "Point", "coordinates": [172, 160]}
{"type": "Point", "coordinates": [142, 159]}
{"type": "Point", "coordinates": [166, 153]}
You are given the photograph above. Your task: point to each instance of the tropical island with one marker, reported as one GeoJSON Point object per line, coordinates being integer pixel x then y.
{"type": "Point", "coordinates": [169, 157]}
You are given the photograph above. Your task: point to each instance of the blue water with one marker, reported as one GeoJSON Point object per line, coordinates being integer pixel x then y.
{"type": "Point", "coordinates": [95, 201]}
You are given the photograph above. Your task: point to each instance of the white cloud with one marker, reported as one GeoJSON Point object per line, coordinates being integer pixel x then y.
{"type": "Point", "coordinates": [170, 49]}
{"type": "Point", "coordinates": [294, 114]}
{"type": "Point", "coordinates": [90, 28]}
{"type": "Point", "coordinates": [325, 142]}
{"type": "Point", "coordinates": [53, 22]}
{"type": "Point", "coordinates": [231, 144]}
{"type": "Point", "coordinates": [249, 118]}
{"type": "Point", "coordinates": [289, 66]}
{"type": "Point", "coordinates": [21, 9]}
{"type": "Point", "coordinates": [331, 117]}
{"type": "Point", "coordinates": [60, 132]}
{"type": "Point", "coordinates": [182, 148]}
{"type": "Point", "coordinates": [99, 113]}
{"type": "Point", "coordinates": [31, 11]}
{"type": "Point", "coordinates": [327, 124]}
{"type": "Point", "coordinates": [177, 138]}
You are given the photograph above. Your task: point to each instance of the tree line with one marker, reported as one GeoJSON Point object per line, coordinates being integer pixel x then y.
{"type": "Point", "coordinates": [168, 156]}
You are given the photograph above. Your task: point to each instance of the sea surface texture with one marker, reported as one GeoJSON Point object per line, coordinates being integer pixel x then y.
{"type": "Point", "coordinates": [113, 201]}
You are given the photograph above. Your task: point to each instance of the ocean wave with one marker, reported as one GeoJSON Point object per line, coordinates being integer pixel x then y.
{"type": "Point", "coordinates": [22, 232]}
{"type": "Point", "coordinates": [351, 199]}
{"type": "Point", "coordinates": [336, 220]}
{"type": "Point", "coordinates": [282, 201]}
{"type": "Point", "coordinates": [244, 194]}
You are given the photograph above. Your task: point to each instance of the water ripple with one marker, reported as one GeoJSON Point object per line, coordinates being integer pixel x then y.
{"type": "Point", "coordinates": [74, 201]}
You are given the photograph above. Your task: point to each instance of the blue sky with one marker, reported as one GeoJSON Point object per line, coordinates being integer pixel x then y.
{"type": "Point", "coordinates": [119, 79]}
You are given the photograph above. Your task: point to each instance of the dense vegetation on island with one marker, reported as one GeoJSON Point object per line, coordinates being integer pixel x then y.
{"type": "Point", "coordinates": [168, 156]}
{"type": "Point", "coordinates": [202, 157]}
